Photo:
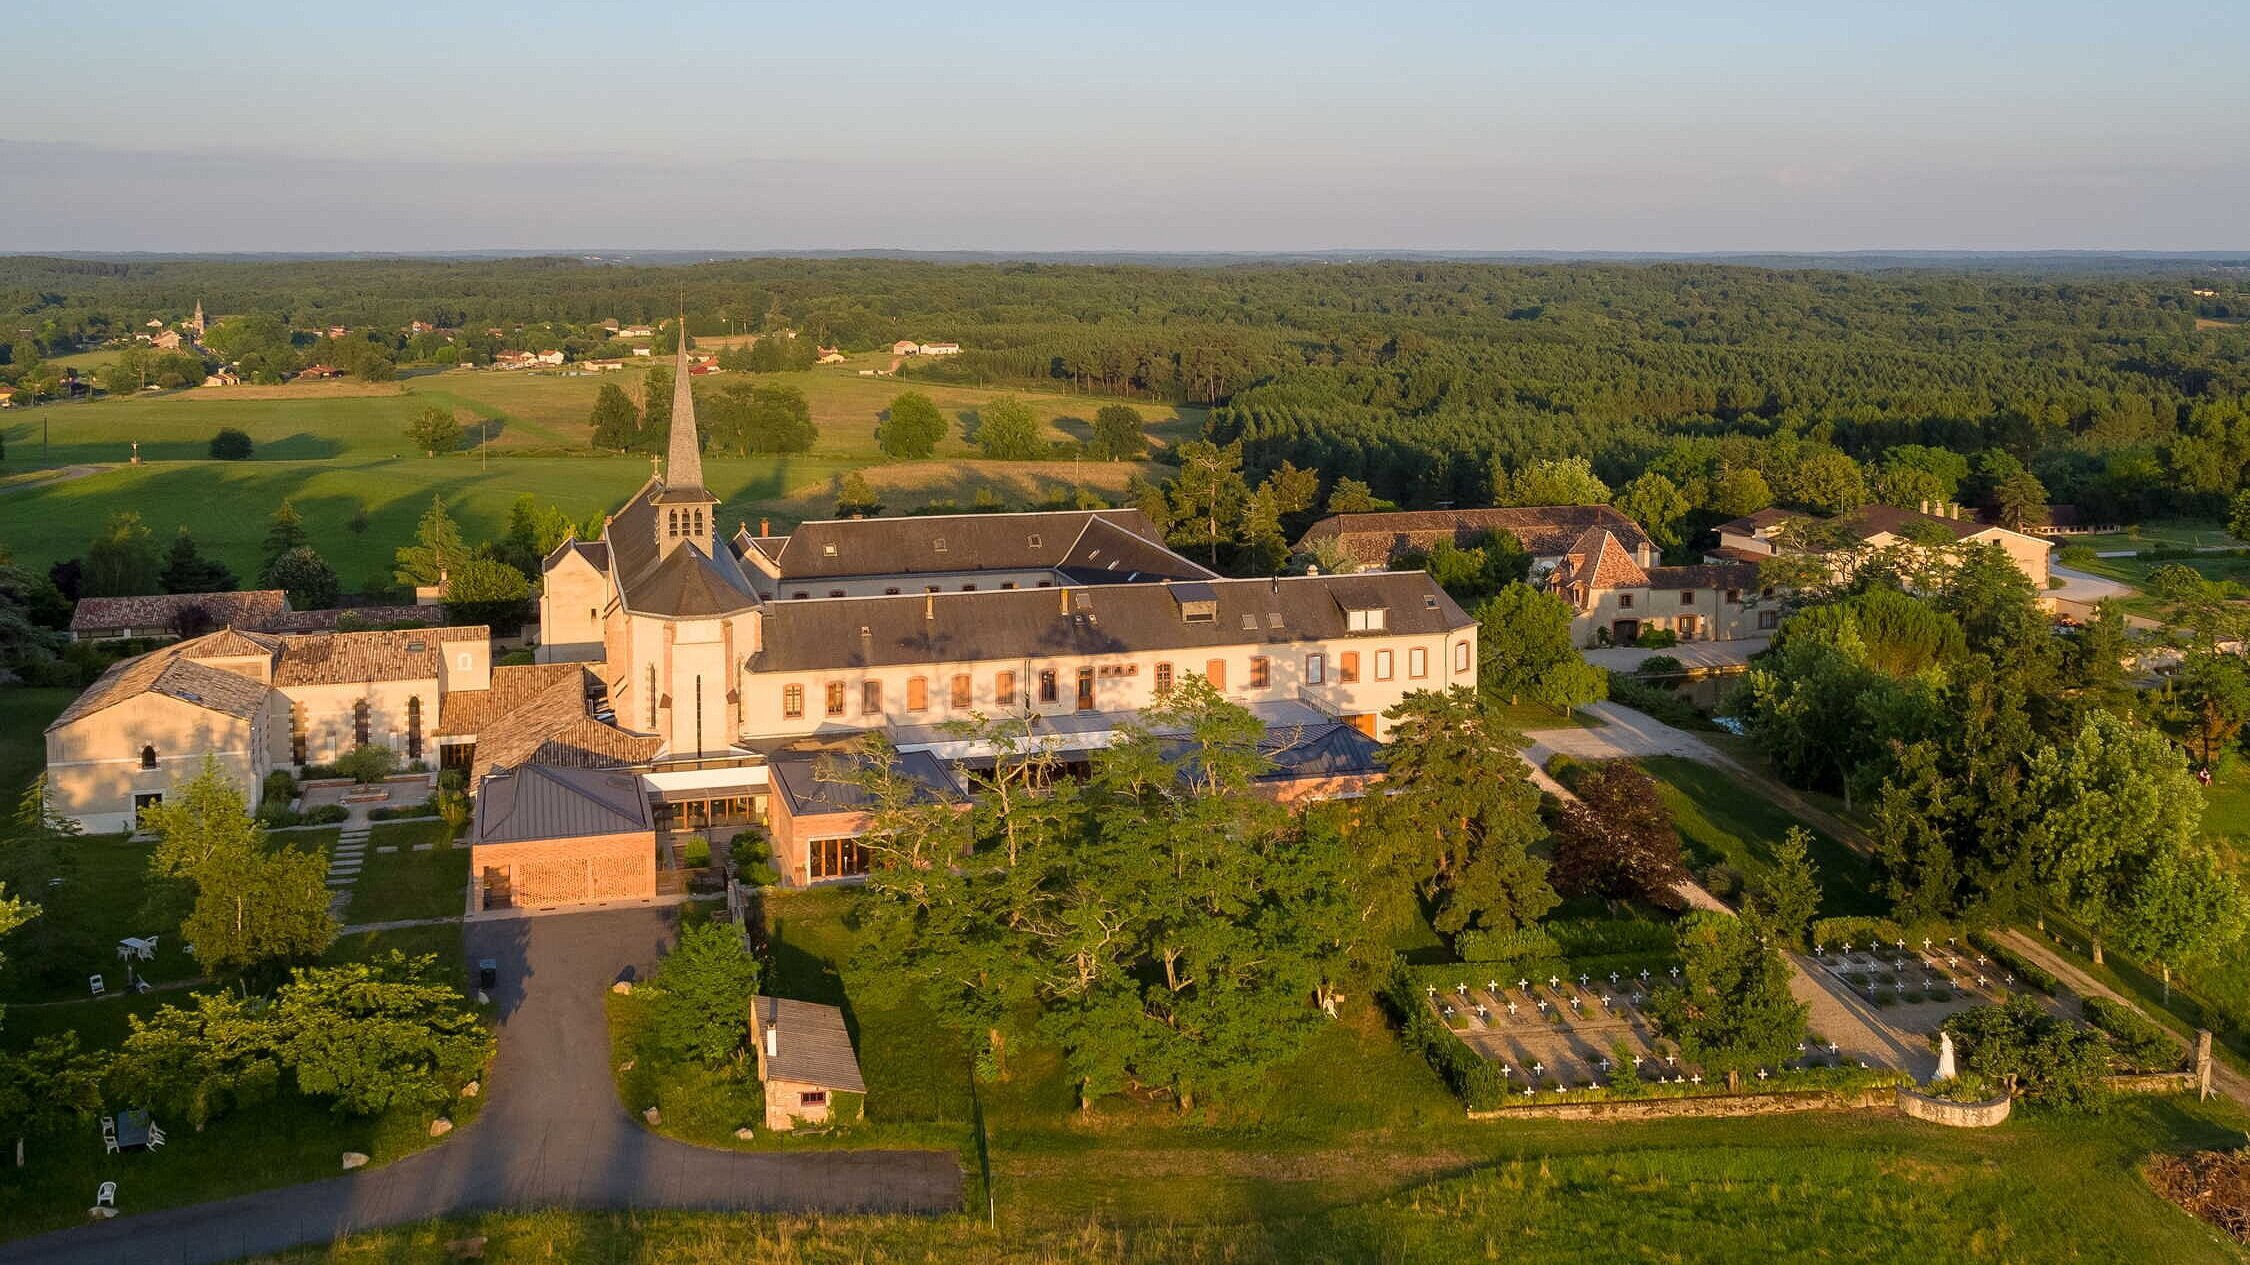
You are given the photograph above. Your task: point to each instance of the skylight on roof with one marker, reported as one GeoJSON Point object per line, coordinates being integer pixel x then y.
{"type": "Point", "coordinates": [938, 544]}
{"type": "Point", "coordinates": [828, 550]}
{"type": "Point", "coordinates": [1035, 541]}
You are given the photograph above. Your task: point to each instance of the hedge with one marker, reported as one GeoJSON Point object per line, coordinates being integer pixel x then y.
{"type": "Point", "coordinates": [2144, 1046]}
{"type": "Point", "coordinates": [1505, 946]}
{"type": "Point", "coordinates": [1471, 1077]}
{"type": "Point", "coordinates": [2025, 969]}
{"type": "Point", "coordinates": [1784, 1081]}
{"type": "Point", "coordinates": [1608, 937]}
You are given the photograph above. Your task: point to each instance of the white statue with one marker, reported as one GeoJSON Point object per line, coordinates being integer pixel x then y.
{"type": "Point", "coordinates": [1945, 1069]}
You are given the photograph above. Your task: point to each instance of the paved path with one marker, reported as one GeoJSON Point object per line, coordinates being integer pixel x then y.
{"type": "Point", "coordinates": [2224, 1078]}
{"type": "Point", "coordinates": [49, 478]}
{"type": "Point", "coordinates": [553, 1134]}
{"type": "Point", "coordinates": [2079, 586]}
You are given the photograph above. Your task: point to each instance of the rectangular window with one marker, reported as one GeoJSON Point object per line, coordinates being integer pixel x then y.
{"type": "Point", "coordinates": [1004, 689]}
{"type": "Point", "coordinates": [1215, 672]}
{"type": "Point", "coordinates": [1261, 672]}
{"type": "Point", "coordinates": [1047, 686]}
{"type": "Point", "coordinates": [1316, 668]}
{"type": "Point", "coordinates": [1769, 619]}
{"type": "Point", "coordinates": [1085, 689]}
{"type": "Point", "coordinates": [1383, 663]}
{"type": "Point", "coordinates": [835, 698]}
{"type": "Point", "coordinates": [871, 698]}
{"type": "Point", "coordinates": [1368, 620]}
{"type": "Point", "coordinates": [812, 1098]}
{"type": "Point", "coordinates": [1347, 668]}
{"type": "Point", "coordinates": [1163, 679]}
{"type": "Point", "coordinates": [1687, 597]}
{"type": "Point", "coordinates": [963, 693]}
{"type": "Point", "coordinates": [1734, 597]}
{"type": "Point", "coordinates": [917, 693]}
{"type": "Point", "coordinates": [1461, 656]}
{"type": "Point", "coordinates": [792, 702]}
{"type": "Point", "coordinates": [1417, 663]}
{"type": "Point", "coordinates": [834, 858]}
{"type": "Point", "coordinates": [1624, 601]}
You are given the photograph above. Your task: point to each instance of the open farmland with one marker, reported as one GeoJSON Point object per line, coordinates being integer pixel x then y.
{"type": "Point", "coordinates": [339, 449]}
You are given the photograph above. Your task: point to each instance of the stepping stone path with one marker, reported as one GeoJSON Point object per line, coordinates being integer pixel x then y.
{"type": "Point", "coordinates": [343, 865]}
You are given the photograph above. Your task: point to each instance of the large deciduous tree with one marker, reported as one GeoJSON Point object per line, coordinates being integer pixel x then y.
{"type": "Point", "coordinates": [701, 993]}
{"type": "Point", "coordinates": [1008, 430]}
{"type": "Point", "coordinates": [1524, 651]}
{"type": "Point", "coordinates": [1732, 1011]}
{"type": "Point", "coordinates": [435, 430]}
{"type": "Point", "coordinates": [381, 1034]}
{"type": "Point", "coordinates": [123, 560]}
{"type": "Point", "coordinates": [1616, 838]}
{"type": "Point", "coordinates": [615, 420]}
{"type": "Point", "coordinates": [252, 904]}
{"type": "Point", "coordinates": [1118, 434]}
{"type": "Point", "coordinates": [913, 427]}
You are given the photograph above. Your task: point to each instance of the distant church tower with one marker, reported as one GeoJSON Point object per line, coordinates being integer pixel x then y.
{"type": "Point", "coordinates": [687, 513]}
{"type": "Point", "coordinates": [196, 322]}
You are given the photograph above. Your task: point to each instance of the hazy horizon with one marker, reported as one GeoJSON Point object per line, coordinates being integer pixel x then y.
{"type": "Point", "coordinates": [1164, 128]}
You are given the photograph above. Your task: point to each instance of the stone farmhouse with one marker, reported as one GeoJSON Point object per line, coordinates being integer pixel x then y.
{"type": "Point", "coordinates": [1848, 537]}
{"type": "Point", "coordinates": [1591, 556]}
{"type": "Point", "coordinates": [160, 615]}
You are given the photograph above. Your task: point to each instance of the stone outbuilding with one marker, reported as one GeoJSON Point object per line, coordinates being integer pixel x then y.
{"type": "Point", "coordinates": [548, 836]}
{"type": "Point", "coordinates": [805, 1059]}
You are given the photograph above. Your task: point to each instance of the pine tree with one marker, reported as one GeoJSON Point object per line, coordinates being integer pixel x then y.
{"type": "Point", "coordinates": [438, 547]}
{"type": "Point", "coordinates": [187, 571]}
{"type": "Point", "coordinates": [286, 531]}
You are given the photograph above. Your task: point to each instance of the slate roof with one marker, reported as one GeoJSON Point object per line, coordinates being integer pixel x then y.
{"type": "Point", "coordinates": [1705, 575]}
{"type": "Point", "coordinates": [1330, 749]}
{"type": "Point", "coordinates": [250, 609]}
{"type": "Point", "coordinates": [172, 672]}
{"type": "Point", "coordinates": [1118, 619]}
{"type": "Point", "coordinates": [539, 802]}
{"type": "Point", "coordinates": [1545, 531]}
{"type": "Point", "coordinates": [407, 654]}
{"type": "Point", "coordinates": [1100, 542]}
{"type": "Point", "coordinates": [811, 1044]}
{"type": "Point", "coordinates": [812, 780]}
{"type": "Point", "coordinates": [684, 582]}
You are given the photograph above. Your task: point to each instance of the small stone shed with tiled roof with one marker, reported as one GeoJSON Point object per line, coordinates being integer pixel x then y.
{"type": "Point", "coordinates": [805, 1059]}
{"type": "Point", "coordinates": [549, 836]}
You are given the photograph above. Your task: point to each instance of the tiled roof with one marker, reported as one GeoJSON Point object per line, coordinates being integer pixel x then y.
{"type": "Point", "coordinates": [1099, 541]}
{"type": "Point", "coordinates": [538, 802]}
{"type": "Point", "coordinates": [1545, 531]}
{"type": "Point", "coordinates": [1598, 561]}
{"type": "Point", "coordinates": [537, 715]}
{"type": "Point", "coordinates": [172, 672]}
{"type": "Point", "coordinates": [162, 610]}
{"type": "Point", "coordinates": [1750, 524]}
{"type": "Point", "coordinates": [362, 616]}
{"type": "Point", "coordinates": [811, 1044]}
{"type": "Point", "coordinates": [409, 654]}
{"type": "Point", "coordinates": [1117, 619]}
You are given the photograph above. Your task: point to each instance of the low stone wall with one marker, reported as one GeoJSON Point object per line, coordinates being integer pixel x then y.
{"type": "Point", "coordinates": [2155, 1083]}
{"type": "Point", "coordinates": [1958, 1115]}
{"type": "Point", "coordinates": [1703, 1107]}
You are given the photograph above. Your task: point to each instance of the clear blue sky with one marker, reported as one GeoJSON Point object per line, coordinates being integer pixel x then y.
{"type": "Point", "coordinates": [1705, 125]}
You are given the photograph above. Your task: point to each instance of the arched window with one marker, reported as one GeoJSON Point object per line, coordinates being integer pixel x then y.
{"type": "Point", "coordinates": [148, 757]}
{"type": "Point", "coordinates": [698, 516]}
{"type": "Point", "coordinates": [672, 522]}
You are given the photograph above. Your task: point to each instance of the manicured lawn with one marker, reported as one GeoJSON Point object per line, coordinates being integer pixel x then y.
{"type": "Point", "coordinates": [339, 449]}
{"type": "Point", "coordinates": [1849, 1188]}
{"type": "Point", "coordinates": [1526, 717]}
{"type": "Point", "coordinates": [2166, 531]}
{"type": "Point", "coordinates": [2135, 571]}
{"type": "Point", "coordinates": [1724, 822]}
{"type": "Point", "coordinates": [407, 884]}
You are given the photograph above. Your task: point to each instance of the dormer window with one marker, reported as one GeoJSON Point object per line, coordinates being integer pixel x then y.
{"type": "Point", "coordinates": [1372, 619]}
{"type": "Point", "coordinates": [1035, 541]}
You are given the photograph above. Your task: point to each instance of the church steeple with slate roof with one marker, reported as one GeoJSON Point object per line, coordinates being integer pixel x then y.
{"type": "Point", "coordinates": [686, 510]}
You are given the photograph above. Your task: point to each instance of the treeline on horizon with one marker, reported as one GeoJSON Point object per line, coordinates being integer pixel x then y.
{"type": "Point", "coordinates": [1418, 378]}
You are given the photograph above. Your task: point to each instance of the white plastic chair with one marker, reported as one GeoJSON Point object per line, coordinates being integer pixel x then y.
{"type": "Point", "coordinates": [148, 948]}
{"type": "Point", "coordinates": [109, 1135]}
{"type": "Point", "coordinates": [155, 1136]}
{"type": "Point", "coordinates": [94, 983]}
{"type": "Point", "coordinates": [106, 1196]}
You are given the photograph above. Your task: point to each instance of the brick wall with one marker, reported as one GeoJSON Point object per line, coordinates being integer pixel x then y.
{"type": "Point", "coordinates": [571, 871]}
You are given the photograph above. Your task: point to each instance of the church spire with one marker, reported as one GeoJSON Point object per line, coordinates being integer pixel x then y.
{"type": "Point", "coordinates": [683, 464]}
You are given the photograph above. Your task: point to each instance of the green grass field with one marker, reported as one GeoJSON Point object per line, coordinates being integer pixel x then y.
{"type": "Point", "coordinates": [337, 449]}
{"type": "Point", "coordinates": [24, 717]}
{"type": "Point", "coordinates": [395, 886]}
{"type": "Point", "coordinates": [1722, 822]}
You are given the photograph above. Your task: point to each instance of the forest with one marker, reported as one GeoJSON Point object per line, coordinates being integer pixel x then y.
{"type": "Point", "coordinates": [2121, 392]}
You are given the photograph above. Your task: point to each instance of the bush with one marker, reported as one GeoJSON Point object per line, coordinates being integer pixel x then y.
{"type": "Point", "coordinates": [280, 785]}
{"type": "Point", "coordinates": [1565, 769]}
{"type": "Point", "coordinates": [2076, 555]}
{"type": "Point", "coordinates": [1610, 937]}
{"type": "Point", "coordinates": [752, 856]}
{"type": "Point", "coordinates": [1653, 638]}
{"type": "Point", "coordinates": [2026, 971]}
{"type": "Point", "coordinates": [1835, 933]}
{"type": "Point", "coordinates": [276, 813]}
{"type": "Point", "coordinates": [1505, 946]}
{"type": "Point", "coordinates": [325, 815]}
{"type": "Point", "coordinates": [696, 852]}
{"type": "Point", "coordinates": [1628, 690]}
{"type": "Point", "coordinates": [1660, 665]}
{"type": "Point", "coordinates": [230, 445]}
{"type": "Point", "coordinates": [2142, 1045]}
{"type": "Point", "coordinates": [1476, 1081]}
{"type": "Point", "coordinates": [453, 779]}
{"type": "Point", "coordinates": [367, 763]}
{"type": "Point", "coordinates": [397, 812]}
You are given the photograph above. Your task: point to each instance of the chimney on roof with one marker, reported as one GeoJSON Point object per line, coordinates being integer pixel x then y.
{"type": "Point", "coordinates": [765, 527]}
{"type": "Point", "coordinates": [1062, 600]}
{"type": "Point", "coordinates": [773, 1033]}
{"type": "Point", "coordinates": [929, 606]}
